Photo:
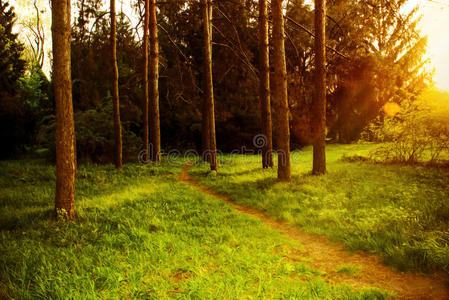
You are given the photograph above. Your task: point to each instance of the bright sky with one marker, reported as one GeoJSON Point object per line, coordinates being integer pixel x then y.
{"type": "Point", "coordinates": [435, 23]}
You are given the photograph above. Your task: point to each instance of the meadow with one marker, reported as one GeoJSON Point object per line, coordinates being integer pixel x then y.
{"type": "Point", "coordinates": [397, 211]}
{"type": "Point", "coordinates": [141, 233]}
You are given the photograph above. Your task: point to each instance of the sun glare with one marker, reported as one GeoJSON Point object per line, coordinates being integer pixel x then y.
{"type": "Point", "coordinates": [435, 21]}
{"type": "Point", "coordinates": [391, 109]}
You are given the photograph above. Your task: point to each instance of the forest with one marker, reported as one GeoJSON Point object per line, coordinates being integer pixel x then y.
{"type": "Point", "coordinates": [226, 149]}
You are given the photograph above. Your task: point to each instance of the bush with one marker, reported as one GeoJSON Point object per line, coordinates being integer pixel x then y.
{"type": "Point", "coordinates": [420, 132]}
{"type": "Point", "coordinates": [94, 129]}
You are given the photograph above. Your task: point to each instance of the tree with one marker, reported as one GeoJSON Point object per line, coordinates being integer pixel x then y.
{"type": "Point", "coordinates": [146, 99]}
{"type": "Point", "coordinates": [36, 37]}
{"type": "Point", "coordinates": [13, 133]}
{"type": "Point", "coordinates": [205, 120]}
{"type": "Point", "coordinates": [209, 92]}
{"type": "Point", "coordinates": [387, 64]}
{"type": "Point", "coordinates": [65, 130]}
{"type": "Point", "coordinates": [264, 86]}
{"type": "Point", "coordinates": [115, 91]}
{"type": "Point", "coordinates": [280, 93]}
{"type": "Point", "coordinates": [12, 66]}
{"type": "Point", "coordinates": [155, 130]}
{"type": "Point", "coordinates": [319, 109]}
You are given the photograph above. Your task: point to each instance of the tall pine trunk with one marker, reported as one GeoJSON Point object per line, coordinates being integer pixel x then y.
{"type": "Point", "coordinates": [205, 124]}
{"type": "Point", "coordinates": [280, 95]}
{"type": "Point", "coordinates": [205, 133]}
{"type": "Point", "coordinates": [146, 26]}
{"type": "Point", "coordinates": [264, 86]}
{"type": "Point", "coordinates": [209, 88]}
{"type": "Point", "coordinates": [65, 128]}
{"type": "Point", "coordinates": [319, 110]}
{"type": "Point", "coordinates": [115, 92]}
{"type": "Point", "coordinates": [155, 127]}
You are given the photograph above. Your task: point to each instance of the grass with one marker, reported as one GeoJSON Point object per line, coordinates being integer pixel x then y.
{"type": "Point", "coordinates": [398, 211]}
{"type": "Point", "coordinates": [350, 270]}
{"type": "Point", "coordinates": [140, 233]}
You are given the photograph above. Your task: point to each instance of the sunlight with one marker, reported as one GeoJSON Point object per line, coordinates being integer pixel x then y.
{"type": "Point", "coordinates": [435, 19]}
{"type": "Point", "coordinates": [391, 109]}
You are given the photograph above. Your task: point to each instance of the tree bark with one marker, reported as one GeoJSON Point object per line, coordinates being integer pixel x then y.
{"type": "Point", "coordinates": [209, 90]}
{"type": "Point", "coordinates": [65, 128]}
{"type": "Point", "coordinates": [205, 124]}
{"type": "Point", "coordinates": [205, 134]}
{"type": "Point", "coordinates": [280, 95]}
{"type": "Point", "coordinates": [264, 86]}
{"type": "Point", "coordinates": [146, 141]}
{"type": "Point", "coordinates": [115, 91]}
{"type": "Point", "coordinates": [319, 111]}
{"type": "Point", "coordinates": [155, 127]}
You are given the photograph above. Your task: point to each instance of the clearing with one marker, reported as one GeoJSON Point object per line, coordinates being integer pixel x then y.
{"type": "Point", "coordinates": [142, 233]}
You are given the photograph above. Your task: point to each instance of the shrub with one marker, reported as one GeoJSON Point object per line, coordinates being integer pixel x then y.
{"type": "Point", "coordinates": [420, 132]}
{"type": "Point", "coordinates": [94, 130]}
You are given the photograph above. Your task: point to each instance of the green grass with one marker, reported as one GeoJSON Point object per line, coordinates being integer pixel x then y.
{"type": "Point", "coordinates": [350, 270]}
{"type": "Point", "coordinates": [140, 233]}
{"type": "Point", "coordinates": [400, 212]}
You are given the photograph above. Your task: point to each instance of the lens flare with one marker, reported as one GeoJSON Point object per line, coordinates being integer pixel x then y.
{"type": "Point", "coordinates": [391, 109]}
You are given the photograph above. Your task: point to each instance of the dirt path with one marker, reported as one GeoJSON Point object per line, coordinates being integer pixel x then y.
{"type": "Point", "coordinates": [328, 257]}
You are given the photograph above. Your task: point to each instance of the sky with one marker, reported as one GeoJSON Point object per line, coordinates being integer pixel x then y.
{"type": "Point", "coordinates": [434, 24]}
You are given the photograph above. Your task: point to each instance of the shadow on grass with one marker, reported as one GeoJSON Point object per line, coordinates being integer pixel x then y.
{"type": "Point", "coordinates": [25, 220]}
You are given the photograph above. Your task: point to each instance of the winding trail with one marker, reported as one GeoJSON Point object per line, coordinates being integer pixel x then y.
{"type": "Point", "coordinates": [328, 257]}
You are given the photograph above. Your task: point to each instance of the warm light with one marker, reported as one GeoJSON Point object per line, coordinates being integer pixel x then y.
{"type": "Point", "coordinates": [391, 109]}
{"type": "Point", "coordinates": [435, 21]}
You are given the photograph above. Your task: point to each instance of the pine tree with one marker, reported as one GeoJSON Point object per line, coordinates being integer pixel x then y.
{"type": "Point", "coordinates": [280, 95]}
{"type": "Point", "coordinates": [145, 110]}
{"type": "Point", "coordinates": [115, 91]}
{"type": "Point", "coordinates": [209, 92]}
{"type": "Point", "coordinates": [264, 86]}
{"type": "Point", "coordinates": [11, 65]}
{"type": "Point", "coordinates": [65, 131]}
{"type": "Point", "coordinates": [319, 106]}
{"type": "Point", "coordinates": [12, 132]}
{"type": "Point", "coordinates": [155, 130]}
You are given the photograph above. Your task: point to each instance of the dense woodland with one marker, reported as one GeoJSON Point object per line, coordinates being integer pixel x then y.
{"type": "Point", "coordinates": [200, 75]}
{"type": "Point", "coordinates": [374, 56]}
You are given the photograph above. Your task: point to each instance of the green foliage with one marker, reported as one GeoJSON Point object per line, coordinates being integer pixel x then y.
{"type": "Point", "coordinates": [11, 64]}
{"type": "Point", "coordinates": [140, 233]}
{"type": "Point", "coordinates": [386, 62]}
{"type": "Point", "coordinates": [94, 137]}
{"type": "Point", "coordinates": [35, 91]}
{"type": "Point", "coordinates": [14, 124]}
{"type": "Point", "coordinates": [420, 132]}
{"type": "Point", "coordinates": [397, 211]}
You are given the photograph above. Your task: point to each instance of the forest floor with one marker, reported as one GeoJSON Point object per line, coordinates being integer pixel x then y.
{"type": "Point", "coordinates": [399, 212]}
{"type": "Point", "coordinates": [143, 233]}
{"type": "Point", "coordinates": [357, 269]}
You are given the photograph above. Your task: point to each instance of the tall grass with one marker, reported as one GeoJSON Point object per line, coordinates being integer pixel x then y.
{"type": "Point", "coordinates": [140, 233]}
{"type": "Point", "coordinates": [400, 212]}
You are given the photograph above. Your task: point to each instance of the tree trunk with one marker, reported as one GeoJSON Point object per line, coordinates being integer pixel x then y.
{"type": "Point", "coordinates": [319, 111]}
{"type": "Point", "coordinates": [205, 134]}
{"type": "Point", "coordinates": [155, 127]}
{"type": "Point", "coordinates": [264, 86]}
{"type": "Point", "coordinates": [281, 96]}
{"type": "Point", "coordinates": [205, 124]}
{"type": "Point", "coordinates": [209, 90]}
{"type": "Point", "coordinates": [65, 128]}
{"type": "Point", "coordinates": [115, 92]}
{"type": "Point", "coordinates": [145, 84]}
